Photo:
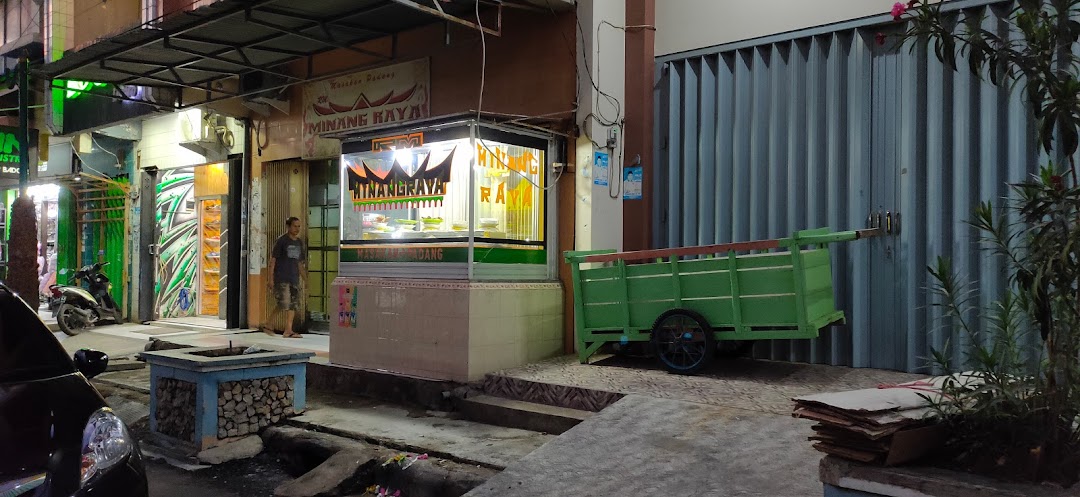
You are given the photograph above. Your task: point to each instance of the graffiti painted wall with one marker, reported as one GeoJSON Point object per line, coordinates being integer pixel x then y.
{"type": "Point", "coordinates": [177, 219]}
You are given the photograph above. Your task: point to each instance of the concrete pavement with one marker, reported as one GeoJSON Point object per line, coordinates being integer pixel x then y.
{"type": "Point", "coordinates": [650, 447]}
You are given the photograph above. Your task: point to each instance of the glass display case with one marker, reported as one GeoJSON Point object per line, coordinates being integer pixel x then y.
{"type": "Point", "coordinates": [454, 200]}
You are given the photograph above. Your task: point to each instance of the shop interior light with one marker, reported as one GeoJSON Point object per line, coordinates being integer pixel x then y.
{"type": "Point", "coordinates": [77, 178]}
{"type": "Point", "coordinates": [404, 157]}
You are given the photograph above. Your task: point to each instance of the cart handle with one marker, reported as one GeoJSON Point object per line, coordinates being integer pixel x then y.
{"type": "Point", "coordinates": [599, 256]}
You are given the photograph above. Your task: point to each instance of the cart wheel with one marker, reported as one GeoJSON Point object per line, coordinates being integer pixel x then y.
{"type": "Point", "coordinates": [683, 341]}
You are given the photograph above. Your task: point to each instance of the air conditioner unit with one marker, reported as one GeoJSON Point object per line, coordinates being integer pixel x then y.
{"type": "Point", "coordinates": [199, 133]}
{"type": "Point", "coordinates": [261, 102]}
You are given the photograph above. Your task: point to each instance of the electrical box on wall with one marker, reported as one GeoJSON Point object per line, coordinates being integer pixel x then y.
{"type": "Point", "coordinates": [83, 143]}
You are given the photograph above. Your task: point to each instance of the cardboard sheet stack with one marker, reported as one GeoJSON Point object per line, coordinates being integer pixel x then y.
{"type": "Point", "coordinates": [888, 425]}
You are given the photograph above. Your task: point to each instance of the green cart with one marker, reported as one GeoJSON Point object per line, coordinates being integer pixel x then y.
{"type": "Point", "coordinates": [685, 307]}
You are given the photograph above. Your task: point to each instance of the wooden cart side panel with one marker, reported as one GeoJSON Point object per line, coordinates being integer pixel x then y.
{"type": "Point", "coordinates": [820, 296]}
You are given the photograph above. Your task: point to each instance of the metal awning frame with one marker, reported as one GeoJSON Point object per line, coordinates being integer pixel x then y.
{"type": "Point", "coordinates": [258, 13]}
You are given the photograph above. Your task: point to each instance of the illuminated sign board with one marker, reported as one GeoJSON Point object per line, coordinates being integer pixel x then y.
{"type": "Point", "coordinates": [73, 89]}
{"type": "Point", "coordinates": [9, 150]}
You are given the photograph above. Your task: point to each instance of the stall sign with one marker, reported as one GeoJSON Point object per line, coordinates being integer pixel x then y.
{"type": "Point", "coordinates": [370, 99]}
{"type": "Point", "coordinates": [397, 187]}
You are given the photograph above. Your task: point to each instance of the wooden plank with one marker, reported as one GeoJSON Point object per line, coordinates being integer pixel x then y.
{"type": "Point", "coordinates": [647, 270]}
{"type": "Point", "coordinates": [602, 316]}
{"type": "Point", "coordinates": [767, 281]}
{"type": "Point", "coordinates": [676, 282]}
{"type": "Point", "coordinates": [736, 318]}
{"type": "Point", "coordinates": [599, 273]}
{"type": "Point", "coordinates": [705, 285]}
{"type": "Point", "coordinates": [776, 310]}
{"type": "Point", "coordinates": [623, 296]}
{"type": "Point", "coordinates": [818, 278]}
{"type": "Point", "coordinates": [815, 258]}
{"type": "Point", "coordinates": [644, 255]}
{"type": "Point", "coordinates": [643, 315]}
{"type": "Point", "coordinates": [601, 291]}
{"type": "Point", "coordinates": [649, 289]}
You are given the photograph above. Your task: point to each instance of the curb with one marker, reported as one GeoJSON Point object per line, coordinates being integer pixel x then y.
{"type": "Point", "coordinates": [122, 386]}
{"type": "Point", "coordinates": [390, 444]}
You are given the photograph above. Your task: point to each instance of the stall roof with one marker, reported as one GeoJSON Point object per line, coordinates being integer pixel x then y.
{"type": "Point", "coordinates": [233, 38]}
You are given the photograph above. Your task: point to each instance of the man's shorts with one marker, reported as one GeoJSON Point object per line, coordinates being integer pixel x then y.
{"type": "Point", "coordinates": [287, 295]}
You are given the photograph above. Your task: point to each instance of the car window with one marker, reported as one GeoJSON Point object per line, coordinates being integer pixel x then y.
{"type": "Point", "coordinates": [28, 350]}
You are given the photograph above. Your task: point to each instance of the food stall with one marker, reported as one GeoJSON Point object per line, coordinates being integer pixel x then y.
{"type": "Point", "coordinates": [447, 256]}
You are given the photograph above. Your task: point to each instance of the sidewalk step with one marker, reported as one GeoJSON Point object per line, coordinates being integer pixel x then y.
{"type": "Point", "coordinates": [510, 413]}
{"type": "Point", "coordinates": [124, 365]}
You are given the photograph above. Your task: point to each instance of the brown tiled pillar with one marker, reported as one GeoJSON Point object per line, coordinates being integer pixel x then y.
{"type": "Point", "coordinates": [637, 214]}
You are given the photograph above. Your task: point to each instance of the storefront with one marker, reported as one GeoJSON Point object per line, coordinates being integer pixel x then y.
{"type": "Point", "coordinates": [186, 216]}
{"type": "Point", "coordinates": [447, 261]}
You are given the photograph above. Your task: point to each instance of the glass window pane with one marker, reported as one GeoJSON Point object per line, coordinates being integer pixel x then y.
{"type": "Point", "coordinates": [316, 306]}
{"type": "Point", "coordinates": [331, 262]}
{"type": "Point", "coordinates": [315, 284]}
{"type": "Point", "coordinates": [329, 286]}
{"type": "Point", "coordinates": [315, 260]}
{"type": "Point", "coordinates": [510, 182]}
{"type": "Point", "coordinates": [315, 217]}
{"type": "Point", "coordinates": [315, 237]}
{"type": "Point", "coordinates": [333, 219]}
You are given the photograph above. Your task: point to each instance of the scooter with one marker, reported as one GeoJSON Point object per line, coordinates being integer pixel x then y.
{"type": "Point", "coordinates": [80, 308]}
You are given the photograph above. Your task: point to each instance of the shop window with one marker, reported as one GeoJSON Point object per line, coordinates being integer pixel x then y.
{"type": "Point", "coordinates": [432, 197]}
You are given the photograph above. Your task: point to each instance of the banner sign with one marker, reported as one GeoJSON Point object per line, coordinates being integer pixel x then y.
{"type": "Point", "coordinates": [364, 100]}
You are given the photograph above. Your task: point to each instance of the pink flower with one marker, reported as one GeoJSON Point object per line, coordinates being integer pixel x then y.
{"type": "Point", "coordinates": [898, 10]}
{"type": "Point", "coordinates": [880, 38]}
{"type": "Point", "coordinates": [1057, 182]}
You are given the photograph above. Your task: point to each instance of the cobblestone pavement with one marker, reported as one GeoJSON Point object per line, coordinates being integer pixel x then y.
{"type": "Point", "coordinates": [750, 384]}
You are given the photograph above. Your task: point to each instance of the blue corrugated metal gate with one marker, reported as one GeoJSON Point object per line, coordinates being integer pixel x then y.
{"type": "Point", "coordinates": [759, 139]}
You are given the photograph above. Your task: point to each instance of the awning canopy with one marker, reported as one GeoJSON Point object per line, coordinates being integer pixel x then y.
{"type": "Point", "coordinates": [235, 38]}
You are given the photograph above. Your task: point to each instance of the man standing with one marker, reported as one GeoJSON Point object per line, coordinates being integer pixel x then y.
{"type": "Point", "coordinates": [288, 269]}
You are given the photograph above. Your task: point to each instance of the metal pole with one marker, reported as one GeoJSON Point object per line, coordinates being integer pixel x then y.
{"type": "Point", "coordinates": [24, 123]}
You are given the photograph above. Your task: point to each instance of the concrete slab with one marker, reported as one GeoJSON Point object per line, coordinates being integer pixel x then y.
{"type": "Point", "coordinates": [419, 431]}
{"type": "Point", "coordinates": [753, 385]}
{"type": "Point", "coordinates": [650, 446]}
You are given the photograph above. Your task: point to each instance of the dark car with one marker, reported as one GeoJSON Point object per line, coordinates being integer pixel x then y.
{"type": "Point", "coordinates": [57, 435]}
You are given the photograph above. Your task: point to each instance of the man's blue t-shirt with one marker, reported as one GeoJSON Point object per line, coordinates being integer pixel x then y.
{"type": "Point", "coordinates": [288, 255]}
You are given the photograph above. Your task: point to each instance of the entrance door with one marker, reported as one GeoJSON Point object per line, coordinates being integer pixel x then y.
{"type": "Point", "coordinates": [285, 195]}
{"type": "Point", "coordinates": [886, 350]}
{"type": "Point", "coordinates": [150, 233]}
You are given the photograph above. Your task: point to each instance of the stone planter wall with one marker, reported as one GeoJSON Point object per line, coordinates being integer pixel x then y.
{"type": "Point", "coordinates": [177, 419]}
{"type": "Point", "coordinates": [246, 406]}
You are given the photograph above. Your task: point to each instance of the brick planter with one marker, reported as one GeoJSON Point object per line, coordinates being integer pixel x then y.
{"type": "Point", "coordinates": [205, 396]}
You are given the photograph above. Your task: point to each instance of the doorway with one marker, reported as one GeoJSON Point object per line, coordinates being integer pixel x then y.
{"type": "Point", "coordinates": [191, 231]}
{"type": "Point", "coordinates": [285, 194]}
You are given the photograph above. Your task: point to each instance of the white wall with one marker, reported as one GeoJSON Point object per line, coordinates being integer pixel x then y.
{"type": "Point", "coordinates": [160, 143]}
{"type": "Point", "coordinates": [683, 25]}
{"type": "Point", "coordinates": [599, 217]}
